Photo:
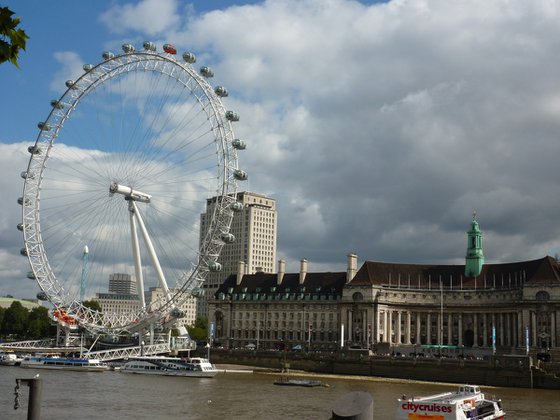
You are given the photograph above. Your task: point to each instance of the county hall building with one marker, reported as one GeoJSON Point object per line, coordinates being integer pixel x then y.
{"type": "Point", "coordinates": [508, 308]}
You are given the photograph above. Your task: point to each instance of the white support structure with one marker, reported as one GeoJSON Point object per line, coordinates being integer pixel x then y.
{"type": "Point", "coordinates": [136, 256]}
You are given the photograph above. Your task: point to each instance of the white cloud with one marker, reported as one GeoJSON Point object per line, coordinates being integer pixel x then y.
{"type": "Point", "coordinates": [71, 69]}
{"type": "Point", "coordinates": [415, 113]}
{"type": "Point", "coordinates": [150, 17]}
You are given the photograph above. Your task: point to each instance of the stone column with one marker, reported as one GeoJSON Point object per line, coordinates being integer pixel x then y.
{"type": "Point", "coordinates": [484, 330]}
{"type": "Point", "coordinates": [428, 328]}
{"type": "Point", "coordinates": [508, 330]}
{"type": "Point", "coordinates": [399, 328]}
{"type": "Point", "coordinates": [515, 329]}
{"type": "Point", "coordinates": [349, 326]}
{"type": "Point", "coordinates": [533, 329]}
{"type": "Point", "coordinates": [418, 334]}
{"type": "Point", "coordinates": [408, 327]}
{"type": "Point", "coordinates": [366, 335]}
{"type": "Point", "coordinates": [520, 329]}
{"type": "Point", "coordinates": [390, 327]}
{"type": "Point", "coordinates": [460, 329]}
{"type": "Point", "coordinates": [475, 330]}
{"type": "Point", "coordinates": [502, 328]}
{"type": "Point", "coordinates": [385, 325]}
{"type": "Point", "coordinates": [492, 325]}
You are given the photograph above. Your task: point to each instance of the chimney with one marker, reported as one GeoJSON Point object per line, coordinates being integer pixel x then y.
{"type": "Point", "coordinates": [302, 270]}
{"type": "Point", "coordinates": [240, 272]}
{"type": "Point", "coordinates": [352, 267]}
{"type": "Point", "coordinates": [281, 271]}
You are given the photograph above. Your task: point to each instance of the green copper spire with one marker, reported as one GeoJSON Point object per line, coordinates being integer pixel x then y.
{"type": "Point", "coordinates": [475, 257]}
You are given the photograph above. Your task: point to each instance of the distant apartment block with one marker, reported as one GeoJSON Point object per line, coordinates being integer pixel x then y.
{"type": "Point", "coordinates": [155, 298]}
{"type": "Point", "coordinates": [122, 298]}
{"type": "Point", "coordinates": [255, 231]}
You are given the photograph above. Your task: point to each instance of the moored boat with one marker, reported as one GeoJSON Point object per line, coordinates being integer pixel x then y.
{"type": "Point", "coordinates": [170, 366]}
{"type": "Point", "coordinates": [9, 359]}
{"type": "Point", "coordinates": [468, 403]}
{"type": "Point", "coordinates": [63, 363]}
{"type": "Point", "coordinates": [298, 382]}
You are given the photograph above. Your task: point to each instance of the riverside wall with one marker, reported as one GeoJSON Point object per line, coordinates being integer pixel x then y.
{"type": "Point", "coordinates": [505, 371]}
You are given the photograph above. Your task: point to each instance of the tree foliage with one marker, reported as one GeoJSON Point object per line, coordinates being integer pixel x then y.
{"type": "Point", "coordinates": [15, 319]}
{"type": "Point", "coordinates": [92, 304]}
{"type": "Point", "coordinates": [18, 322]}
{"type": "Point", "coordinates": [199, 330]}
{"type": "Point", "coordinates": [12, 40]}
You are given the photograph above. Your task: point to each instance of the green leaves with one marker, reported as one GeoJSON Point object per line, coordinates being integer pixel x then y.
{"type": "Point", "coordinates": [12, 40]}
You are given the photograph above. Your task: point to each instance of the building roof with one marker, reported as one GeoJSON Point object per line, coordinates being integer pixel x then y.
{"type": "Point", "coordinates": [544, 271]}
{"type": "Point", "coordinates": [315, 284]}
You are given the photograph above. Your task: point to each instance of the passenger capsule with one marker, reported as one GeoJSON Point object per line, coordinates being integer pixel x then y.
{"type": "Point", "coordinates": [228, 238]}
{"type": "Point", "coordinates": [20, 201]}
{"type": "Point", "coordinates": [232, 116]}
{"type": "Point", "coordinates": [107, 55]}
{"type": "Point", "coordinates": [23, 174]}
{"type": "Point", "coordinates": [169, 49]}
{"type": "Point", "coordinates": [71, 84]}
{"type": "Point", "coordinates": [215, 266]}
{"type": "Point", "coordinates": [57, 104]}
{"type": "Point", "coordinates": [42, 296]}
{"type": "Point", "coordinates": [240, 175]}
{"type": "Point", "coordinates": [238, 144]}
{"type": "Point", "coordinates": [189, 57]}
{"type": "Point", "coordinates": [23, 251]}
{"type": "Point", "coordinates": [31, 275]}
{"type": "Point", "coordinates": [34, 150]}
{"type": "Point", "coordinates": [44, 126]}
{"type": "Point", "coordinates": [20, 227]}
{"type": "Point", "coordinates": [197, 292]}
{"type": "Point", "coordinates": [237, 206]}
{"type": "Point", "coordinates": [206, 71]}
{"type": "Point", "coordinates": [177, 313]}
{"type": "Point", "coordinates": [87, 67]}
{"type": "Point", "coordinates": [221, 91]}
{"type": "Point", "coordinates": [128, 48]}
{"type": "Point", "coordinates": [149, 46]}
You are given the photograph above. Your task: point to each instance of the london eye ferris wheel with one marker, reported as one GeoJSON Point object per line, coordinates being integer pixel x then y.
{"type": "Point", "coordinates": [122, 167]}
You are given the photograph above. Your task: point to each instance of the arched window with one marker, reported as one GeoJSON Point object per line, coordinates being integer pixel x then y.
{"type": "Point", "coordinates": [357, 297]}
{"type": "Point", "coordinates": [543, 296]}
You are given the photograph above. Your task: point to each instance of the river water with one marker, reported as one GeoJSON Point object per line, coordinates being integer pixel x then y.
{"type": "Point", "coordinates": [230, 395]}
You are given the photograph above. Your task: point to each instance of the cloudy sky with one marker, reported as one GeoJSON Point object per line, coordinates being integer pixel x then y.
{"type": "Point", "coordinates": [378, 127]}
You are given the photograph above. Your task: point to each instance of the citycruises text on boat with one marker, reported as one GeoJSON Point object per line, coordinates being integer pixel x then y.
{"type": "Point", "coordinates": [467, 403]}
{"type": "Point", "coordinates": [170, 366]}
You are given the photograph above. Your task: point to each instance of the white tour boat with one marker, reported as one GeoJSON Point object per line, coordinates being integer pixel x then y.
{"type": "Point", "coordinates": [469, 403]}
{"type": "Point", "coordinates": [9, 359]}
{"type": "Point", "coordinates": [64, 363]}
{"type": "Point", "coordinates": [170, 366]}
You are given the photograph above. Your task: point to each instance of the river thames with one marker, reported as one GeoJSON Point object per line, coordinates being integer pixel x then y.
{"type": "Point", "coordinates": [230, 395]}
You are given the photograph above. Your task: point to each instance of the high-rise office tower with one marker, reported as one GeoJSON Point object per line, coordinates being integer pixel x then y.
{"type": "Point", "coordinates": [122, 283]}
{"type": "Point", "coordinates": [255, 231]}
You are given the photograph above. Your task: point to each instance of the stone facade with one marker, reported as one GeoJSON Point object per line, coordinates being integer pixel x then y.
{"type": "Point", "coordinates": [505, 308]}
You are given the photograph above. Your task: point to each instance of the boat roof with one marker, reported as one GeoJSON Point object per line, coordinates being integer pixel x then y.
{"type": "Point", "coordinates": [465, 391]}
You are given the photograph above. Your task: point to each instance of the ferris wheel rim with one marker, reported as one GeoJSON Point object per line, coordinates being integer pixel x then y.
{"type": "Point", "coordinates": [31, 198]}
